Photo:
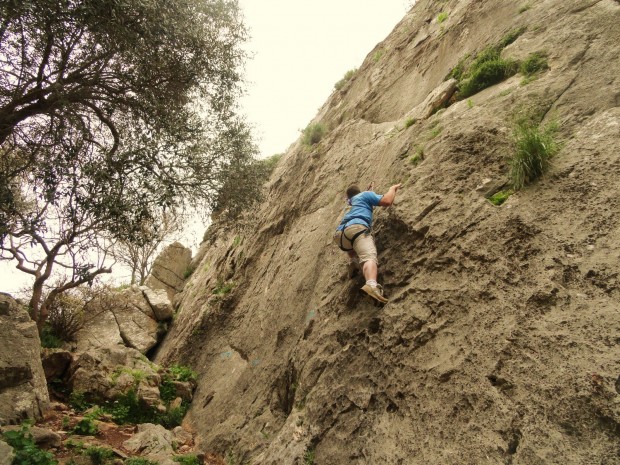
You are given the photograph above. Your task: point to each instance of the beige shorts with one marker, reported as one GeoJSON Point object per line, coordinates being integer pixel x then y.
{"type": "Point", "coordinates": [364, 245]}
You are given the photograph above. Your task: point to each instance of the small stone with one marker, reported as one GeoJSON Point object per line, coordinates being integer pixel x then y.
{"type": "Point", "coordinates": [176, 403]}
{"type": "Point", "coordinates": [582, 296]}
{"type": "Point", "coordinates": [590, 247]}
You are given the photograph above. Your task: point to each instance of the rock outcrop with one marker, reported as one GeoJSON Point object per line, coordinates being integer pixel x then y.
{"type": "Point", "coordinates": [500, 340]}
{"type": "Point", "coordinates": [23, 390]}
{"type": "Point", "coordinates": [169, 269]}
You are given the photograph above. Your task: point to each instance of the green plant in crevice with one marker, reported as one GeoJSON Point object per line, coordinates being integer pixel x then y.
{"type": "Point", "coordinates": [533, 64]}
{"type": "Point", "coordinates": [470, 103]}
{"type": "Point", "coordinates": [418, 156]}
{"type": "Point", "coordinates": [410, 122]}
{"type": "Point", "coordinates": [524, 8]}
{"type": "Point", "coordinates": [442, 17]}
{"type": "Point", "coordinates": [500, 197]}
{"type": "Point", "coordinates": [222, 288]}
{"type": "Point", "coordinates": [309, 456]}
{"type": "Point", "coordinates": [85, 427]}
{"type": "Point", "coordinates": [511, 37]}
{"type": "Point", "coordinates": [182, 373]}
{"type": "Point", "coordinates": [346, 78]}
{"type": "Point", "coordinates": [312, 134]}
{"type": "Point", "coordinates": [377, 55]}
{"type": "Point", "coordinates": [534, 146]}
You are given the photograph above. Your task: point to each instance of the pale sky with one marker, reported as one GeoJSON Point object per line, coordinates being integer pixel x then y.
{"type": "Point", "coordinates": [300, 50]}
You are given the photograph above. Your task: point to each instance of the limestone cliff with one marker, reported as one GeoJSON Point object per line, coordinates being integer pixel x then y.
{"type": "Point", "coordinates": [500, 341]}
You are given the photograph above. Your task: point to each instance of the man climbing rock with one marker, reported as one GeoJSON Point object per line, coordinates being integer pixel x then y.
{"type": "Point", "coordinates": [353, 234]}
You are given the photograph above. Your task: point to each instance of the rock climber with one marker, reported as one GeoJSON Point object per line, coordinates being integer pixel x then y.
{"type": "Point", "coordinates": [353, 235]}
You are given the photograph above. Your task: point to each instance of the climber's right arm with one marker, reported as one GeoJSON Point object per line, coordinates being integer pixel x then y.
{"type": "Point", "coordinates": [388, 197]}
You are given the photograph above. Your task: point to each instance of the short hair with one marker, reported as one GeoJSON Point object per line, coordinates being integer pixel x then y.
{"type": "Point", "coordinates": [352, 191]}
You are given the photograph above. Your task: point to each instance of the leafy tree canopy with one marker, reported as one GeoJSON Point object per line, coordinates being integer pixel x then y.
{"type": "Point", "coordinates": [110, 112]}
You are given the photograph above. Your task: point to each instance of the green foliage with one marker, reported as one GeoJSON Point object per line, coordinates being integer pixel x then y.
{"type": "Point", "coordinates": [435, 132]}
{"type": "Point", "coordinates": [309, 457]}
{"type": "Point", "coordinates": [524, 8]}
{"type": "Point", "coordinates": [79, 402]}
{"type": "Point", "coordinates": [139, 461]}
{"type": "Point", "coordinates": [49, 340]}
{"type": "Point", "coordinates": [187, 459]}
{"type": "Point", "coordinates": [410, 122]}
{"type": "Point", "coordinates": [500, 197]}
{"type": "Point", "coordinates": [487, 69]}
{"type": "Point", "coordinates": [347, 77]}
{"type": "Point", "coordinates": [222, 288]}
{"type": "Point", "coordinates": [535, 145]}
{"type": "Point", "coordinates": [442, 17]}
{"type": "Point", "coordinates": [511, 36]}
{"type": "Point", "coordinates": [86, 427]}
{"type": "Point", "coordinates": [25, 449]}
{"type": "Point", "coordinates": [533, 64]}
{"type": "Point", "coordinates": [313, 134]}
{"type": "Point", "coordinates": [418, 156]}
{"type": "Point", "coordinates": [187, 273]}
{"type": "Point", "coordinates": [470, 103]}
{"type": "Point", "coordinates": [99, 455]}
{"type": "Point", "coordinates": [167, 391]}
{"type": "Point", "coordinates": [377, 55]}
{"type": "Point", "coordinates": [271, 162]}
{"type": "Point", "coordinates": [130, 409]}
{"type": "Point", "coordinates": [118, 111]}
{"type": "Point", "coordinates": [182, 373]}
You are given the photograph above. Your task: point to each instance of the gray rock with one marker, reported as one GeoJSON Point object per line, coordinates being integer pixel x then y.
{"type": "Point", "coordinates": [124, 317]}
{"type": "Point", "coordinates": [168, 272]}
{"type": "Point", "coordinates": [23, 389]}
{"type": "Point", "coordinates": [184, 389]}
{"type": "Point", "coordinates": [151, 440]}
{"type": "Point", "coordinates": [6, 453]}
{"type": "Point", "coordinates": [55, 362]}
{"type": "Point", "coordinates": [181, 436]}
{"type": "Point", "coordinates": [159, 302]}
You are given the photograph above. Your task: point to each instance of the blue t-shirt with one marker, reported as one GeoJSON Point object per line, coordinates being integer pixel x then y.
{"type": "Point", "coordinates": [361, 210]}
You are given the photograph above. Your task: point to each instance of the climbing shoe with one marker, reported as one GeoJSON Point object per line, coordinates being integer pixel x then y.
{"type": "Point", "coordinates": [375, 292]}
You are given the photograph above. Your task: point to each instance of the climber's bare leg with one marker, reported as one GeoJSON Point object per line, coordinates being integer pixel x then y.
{"type": "Point", "coordinates": [369, 268]}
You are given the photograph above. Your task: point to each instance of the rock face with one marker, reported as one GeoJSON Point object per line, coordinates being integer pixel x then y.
{"type": "Point", "coordinates": [500, 340]}
{"type": "Point", "coordinates": [23, 390]}
{"type": "Point", "coordinates": [168, 272]}
{"type": "Point", "coordinates": [124, 317]}
{"type": "Point", "coordinates": [6, 454]}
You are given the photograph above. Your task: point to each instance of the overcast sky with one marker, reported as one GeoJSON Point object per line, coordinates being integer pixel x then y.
{"type": "Point", "coordinates": [300, 50]}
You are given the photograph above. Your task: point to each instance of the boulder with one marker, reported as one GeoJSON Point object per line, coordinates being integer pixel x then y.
{"type": "Point", "coordinates": [434, 101]}
{"type": "Point", "coordinates": [159, 302]}
{"type": "Point", "coordinates": [6, 453]}
{"type": "Point", "coordinates": [151, 441]}
{"type": "Point", "coordinates": [55, 362]}
{"type": "Point", "coordinates": [23, 389]}
{"type": "Point", "coordinates": [181, 436]}
{"type": "Point", "coordinates": [169, 268]}
{"type": "Point", "coordinates": [184, 389]}
{"type": "Point", "coordinates": [123, 317]}
{"type": "Point", "coordinates": [105, 373]}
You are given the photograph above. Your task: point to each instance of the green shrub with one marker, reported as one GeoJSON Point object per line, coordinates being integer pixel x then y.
{"type": "Point", "coordinates": [488, 69]}
{"type": "Point", "coordinates": [347, 77]}
{"type": "Point", "coordinates": [442, 17]}
{"type": "Point", "coordinates": [534, 63]}
{"type": "Point", "coordinates": [534, 148]}
{"type": "Point", "coordinates": [417, 157]}
{"type": "Point", "coordinates": [85, 427]}
{"type": "Point", "coordinates": [182, 373]}
{"type": "Point", "coordinates": [49, 340]}
{"type": "Point", "coordinates": [186, 459]}
{"type": "Point", "coordinates": [25, 449]}
{"type": "Point", "coordinates": [511, 37]}
{"type": "Point", "coordinates": [500, 197]}
{"type": "Point", "coordinates": [167, 391]}
{"type": "Point", "coordinates": [79, 402]}
{"type": "Point", "coordinates": [99, 455]}
{"type": "Point", "coordinates": [470, 103]}
{"type": "Point", "coordinates": [313, 134]}
{"type": "Point", "coordinates": [270, 163]}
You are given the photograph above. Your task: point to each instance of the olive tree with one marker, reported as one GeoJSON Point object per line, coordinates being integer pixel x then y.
{"type": "Point", "coordinates": [111, 112]}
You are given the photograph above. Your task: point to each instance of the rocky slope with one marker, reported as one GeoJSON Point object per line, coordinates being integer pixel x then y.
{"type": "Point", "coordinates": [500, 341]}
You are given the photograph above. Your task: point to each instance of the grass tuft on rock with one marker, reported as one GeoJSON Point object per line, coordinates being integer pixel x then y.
{"type": "Point", "coordinates": [313, 134]}
{"type": "Point", "coordinates": [535, 145]}
{"type": "Point", "coordinates": [533, 64]}
{"type": "Point", "coordinates": [347, 77]}
{"type": "Point", "coordinates": [500, 197]}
